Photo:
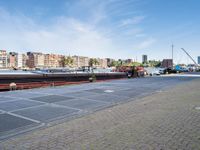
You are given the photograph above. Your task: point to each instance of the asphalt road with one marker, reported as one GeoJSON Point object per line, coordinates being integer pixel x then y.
{"type": "Point", "coordinates": [28, 110]}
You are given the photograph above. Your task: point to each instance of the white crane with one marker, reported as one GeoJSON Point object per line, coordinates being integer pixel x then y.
{"type": "Point", "coordinates": [196, 65]}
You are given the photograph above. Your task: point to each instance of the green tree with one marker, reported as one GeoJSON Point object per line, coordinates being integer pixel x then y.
{"type": "Point", "coordinates": [93, 62]}
{"type": "Point", "coordinates": [154, 63]}
{"type": "Point", "coordinates": [68, 61]}
{"type": "Point", "coordinates": [136, 64]}
{"type": "Point", "coordinates": [113, 64]}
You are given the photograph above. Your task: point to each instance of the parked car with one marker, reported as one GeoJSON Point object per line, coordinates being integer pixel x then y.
{"type": "Point", "coordinates": [162, 70]}
{"type": "Point", "coordinates": [154, 72]}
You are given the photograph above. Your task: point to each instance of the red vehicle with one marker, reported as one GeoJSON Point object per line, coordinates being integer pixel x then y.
{"type": "Point", "coordinates": [132, 71]}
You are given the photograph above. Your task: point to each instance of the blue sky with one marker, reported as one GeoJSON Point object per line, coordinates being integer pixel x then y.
{"type": "Point", "coordinates": [102, 28]}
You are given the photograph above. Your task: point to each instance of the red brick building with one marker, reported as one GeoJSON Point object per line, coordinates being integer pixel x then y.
{"type": "Point", "coordinates": [167, 63]}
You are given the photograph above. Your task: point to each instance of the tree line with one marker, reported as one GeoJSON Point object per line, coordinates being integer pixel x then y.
{"type": "Point", "coordinates": [69, 62]}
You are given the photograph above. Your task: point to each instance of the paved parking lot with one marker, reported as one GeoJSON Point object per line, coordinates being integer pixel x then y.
{"type": "Point", "coordinates": [25, 110]}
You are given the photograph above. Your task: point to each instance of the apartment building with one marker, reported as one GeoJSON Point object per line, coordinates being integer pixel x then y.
{"type": "Point", "coordinates": [3, 59]}
{"type": "Point", "coordinates": [144, 59]}
{"type": "Point", "coordinates": [35, 60]}
{"type": "Point", "coordinates": [24, 60]}
{"type": "Point", "coordinates": [40, 60]}
{"type": "Point", "coordinates": [128, 61]}
{"type": "Point", "coordinates": [53, 60]}
{"type": "Point", "coordinates": [19, 61]}
{"type": "Point", "coordinates": [102, 63]}
{"type": "Point", "coordinates": [167, 63]}
{"type": "Point", "coordinates": [12, 60]}
{"type": "Point", "coordinates": [16, 60]}
{"type": "Point", "coordinates": [80, 61]}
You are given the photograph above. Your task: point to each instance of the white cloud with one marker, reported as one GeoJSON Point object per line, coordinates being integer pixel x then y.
{"type": "Point", "coordinates": [132, 21]}
{"type": "Point", "coordinates": [146, 43]}
{"type": "Point", "coordinates": [69, 35]}
{"type": "Point", "coordinates": [134, 31]}
{"type": "Point", "coordinates": [140, 35]}
{"type": "Point", "coordinates": [65, 36]}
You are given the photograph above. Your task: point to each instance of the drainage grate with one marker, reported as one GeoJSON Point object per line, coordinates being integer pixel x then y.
{"type": "Point", "coordinates": [109, 91]}
{"type": "Point", "coordinates": [197, 108]}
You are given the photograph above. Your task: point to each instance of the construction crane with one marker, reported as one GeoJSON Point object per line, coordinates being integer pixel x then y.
{"type": "Point", "coordinates": [196, 65]}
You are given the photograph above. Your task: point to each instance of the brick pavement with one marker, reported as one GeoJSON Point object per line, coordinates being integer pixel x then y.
{"type": "Point", "coordinates": [165, 120]}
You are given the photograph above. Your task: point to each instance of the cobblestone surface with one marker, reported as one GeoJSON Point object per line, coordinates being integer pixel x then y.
{"type": "Point", "coordinates": [165, 120]}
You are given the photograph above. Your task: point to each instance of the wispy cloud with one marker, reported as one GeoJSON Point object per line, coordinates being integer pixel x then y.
{"type": "Point", "coordinates": [76, 33]}
{"type": "Point", "coordinates": [132, 21]}
{"type": "Point", "coordinates": [65, 35]}
{"type": "Point", "coordinates": [146, 43]}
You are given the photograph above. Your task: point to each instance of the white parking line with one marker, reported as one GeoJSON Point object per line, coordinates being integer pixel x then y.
{"type": "Point", "coordinates": [85, 98]}
{"type": "Point", "coordinates": [44, 103]}
{"type": "Point", "coordinates": [16, 97]}
{"type": "Point", "coordinates": [57, 105]}
{"type": "Point", "coordinates": [27, 99]}
{"type": "Point", "coordinates": [2, 111]}
{"type": "Point", "coordinates": [96, 100]}
{"type": "Point", "coordinates": [45, 94]}
{"type": "Point", "coordinates": [20, 116]}
{"type": "Point", "coordinates": [26, 108]}
{"type": "Point", "coordinates": [23, 131]}
{"type": "Point", "coordinates": [5, 101]}
{"type": "Point", "coordinates": [181, 75]}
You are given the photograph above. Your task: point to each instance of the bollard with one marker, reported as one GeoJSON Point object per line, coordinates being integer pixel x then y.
{"type": "Point", "coordinates": [13, 86]}
{"type": "Point", "coordinates": [91, 79]}
{"type": "Point", "coordinates": [52, 84]}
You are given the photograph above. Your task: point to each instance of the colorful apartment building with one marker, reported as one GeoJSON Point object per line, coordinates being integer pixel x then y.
{"type": "Point", "coordinates": [3, 59]}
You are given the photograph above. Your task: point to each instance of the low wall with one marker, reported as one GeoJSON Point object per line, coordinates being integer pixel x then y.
{"type": "Point", "coordinates": [42, 80]}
